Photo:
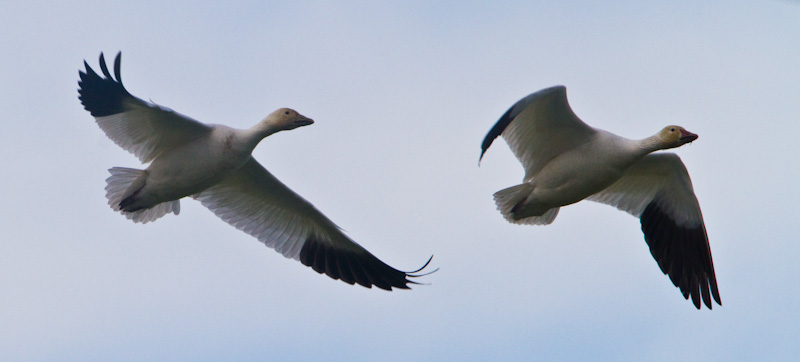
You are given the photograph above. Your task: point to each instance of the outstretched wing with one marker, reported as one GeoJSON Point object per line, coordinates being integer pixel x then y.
{"type": "Point", "coordinates": [254, 201]}
{"type": "Point", "coordinates": [657, 189]}
{"type": "Point", "coordinates": [142, 128]}
{"type": "Point", "coordinates": [540, 127]}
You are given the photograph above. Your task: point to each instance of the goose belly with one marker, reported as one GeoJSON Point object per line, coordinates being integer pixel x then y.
{"type": "Point", "coordinates": [190, 169]}
{"type": "Point", "coordinates": [567, 180]}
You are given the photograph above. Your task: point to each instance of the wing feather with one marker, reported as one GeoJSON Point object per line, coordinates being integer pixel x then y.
{"type": "Point", "coordinates": [142, 128]}
{"type": "Point", "coordinates": [254, 201]}
{"type": "Point", "coordinates": [658, 191]}
{"type": "Point", "coordinates": [540, 127]}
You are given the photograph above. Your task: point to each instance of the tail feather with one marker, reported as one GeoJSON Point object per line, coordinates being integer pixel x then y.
{"type": "Point", "coordinates": [510, 200]}
{"type": "Point", "coordinates": [120, 186]}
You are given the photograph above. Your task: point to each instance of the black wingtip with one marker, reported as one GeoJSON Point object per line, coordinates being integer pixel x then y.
{"type": "Point", "coordinates": [102, 96]}
{"type": "Point", "coordinates": [683, 254]}
{"type": "Point", "coordinates": [514, 111]}
{"type": "Point", "coordinates": [354, 267]}
{"type": "Point", "coordinates": [104, 67]}
{"type": "Point", "coordinates": [500, 126]}
{"type": "Point", "coordinates": [117, 66]}
{"type": "Point", "coordinates": [414, 274]}
{"type": "Point", "coordinates": [495, 132]}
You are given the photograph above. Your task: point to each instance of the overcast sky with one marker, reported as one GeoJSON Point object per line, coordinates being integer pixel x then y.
{"type": "Point", "coordinates": [402, 94]}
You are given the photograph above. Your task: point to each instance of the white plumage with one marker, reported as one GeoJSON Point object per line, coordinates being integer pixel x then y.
{"type": "Point", "coordinates": [213, 164]}
{"type": "Point", "coordinates": [567, 161]}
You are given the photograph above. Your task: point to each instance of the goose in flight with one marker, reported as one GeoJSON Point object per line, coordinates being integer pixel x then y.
{"type": "Point", "coordinates": [567, 161]}
{"type": "Point", "coordinates": [213, 164]}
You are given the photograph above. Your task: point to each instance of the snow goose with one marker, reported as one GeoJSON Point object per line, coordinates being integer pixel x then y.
{"type": "Point", "coordinates": [567, 161]}
{"type": "Point", "coordinates": [213, 164]}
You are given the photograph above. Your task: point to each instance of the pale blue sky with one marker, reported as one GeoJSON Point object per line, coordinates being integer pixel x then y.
{"type": "Point", "coordinates": [402, 94]}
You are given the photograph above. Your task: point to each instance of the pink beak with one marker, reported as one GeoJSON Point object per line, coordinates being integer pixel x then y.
{"type": "Point", "coordinates": [687, 136]}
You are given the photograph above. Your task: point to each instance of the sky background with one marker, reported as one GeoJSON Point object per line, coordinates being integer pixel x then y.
{"type": "Point", "coordinates": [402, 94]}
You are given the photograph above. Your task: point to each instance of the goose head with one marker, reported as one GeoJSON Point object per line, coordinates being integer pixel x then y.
{"type": "Point", "coordinates": [285, 119]}
{"type": "Point", "coordinates": [675, 136]}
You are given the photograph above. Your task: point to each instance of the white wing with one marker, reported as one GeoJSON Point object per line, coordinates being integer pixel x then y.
{"type": "Point", "coordinates": [142, 128]}
{"type": "Point", "coordinates": [540, 127]}
{"type": "Point", "coordinates": [657, 189]}
{"type": "Point", "coordinates": [254, 201]}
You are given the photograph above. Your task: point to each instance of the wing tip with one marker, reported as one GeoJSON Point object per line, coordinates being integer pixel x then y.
{"type": "Point", "coordinates": [692, 273]}
{"type": "Point", "coordinates": [102, 96]}
{"type": "Point", "coordinates": [496, 131]}
{"type": "Point", "coordinates": [512, 113]}
{"type": "Point", "coordinates": [353, 267]}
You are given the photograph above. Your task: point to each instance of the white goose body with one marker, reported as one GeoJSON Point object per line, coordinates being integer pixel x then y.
{"type": "Point", "coordinates": [572, 176]}
{"type": "Point", "coordinates": [191, 168]}
{"type": "Point", "coordinates": [567, 161]}
{"type": "Point", "coordinates": [213, 164]}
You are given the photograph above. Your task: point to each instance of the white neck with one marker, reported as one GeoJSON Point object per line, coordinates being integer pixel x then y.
{"type": "Point", "coordinates": [650, 144]}
{"type": "Point", "coordinates": [255, 134]}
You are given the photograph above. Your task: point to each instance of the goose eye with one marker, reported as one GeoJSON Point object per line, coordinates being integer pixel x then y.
{"type": "Point", "coordinates": [672, 129]}
{"type": "Point", "coordinates": [287, 112]}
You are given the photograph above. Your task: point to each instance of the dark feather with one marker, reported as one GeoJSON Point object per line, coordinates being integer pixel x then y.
{"type": "Point", "coordinates": [682, 253]}
{"type": "Point", "coordinates": [497, 130]}
{"type": "Point", "coordinates": [353, 266]}
{"type": "Point", "coordinates": [516, 109]}
{"type": "Point", "coordinates": [102, 96]}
